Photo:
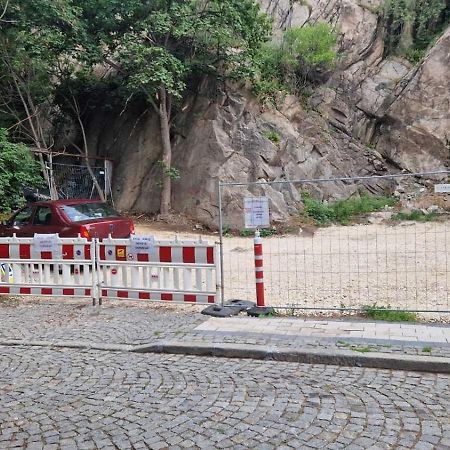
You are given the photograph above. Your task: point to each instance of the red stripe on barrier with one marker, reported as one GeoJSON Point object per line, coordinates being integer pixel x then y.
{"type": "Point", "coordinates": [210, 255]}
{"type": "Point", "coordinates": [260, 294]}
{"type": "Point", "coordinates": [167, 297]}
{"type": "Point", "coordinates": [165, 254]}
{"type": "Point", "coordinates": [4, 250]}
{"type": "Point", "coordinates": [4, 290]}
{"type": "Point", "coordinates": [211, 299]}
{"type": "Point", "coordinates": [102, 253]}
{"type": "Point", "coordinates": [259, 275]}
{"type": "Point", "coordinates": [67, 251]}
{"type": "Point", "coordinates": [189, 254]}
{"type": "Point", "coordinates": [143, 257]}
{"type": "Point", "coordinates": [24, 251]}
{"type": "Point", "coordinates": [46, 291]}
{"type": "Point", "coordinates": [258, 262]}
{"type": "Point", "coordinates": [68, 291]}
{"type": "Point", "coordinates": [122, 294]}
{"type": "Point", "coordinates": [87, 292]}
{"type": "Point", "coordinates": [190, 298]}
{"type": "Point", "coordinates": [46, 255]}
{"type": "Point", "coordinates": [144, 295]}
{"type": "Point", "coordinates": [104, 293]}
{"type": "Point", "coordinates": [25, 291]}
{"type": "Point", "coordinates": [87, 251]}
{"type": "Point", "coordinates": [258, 250]}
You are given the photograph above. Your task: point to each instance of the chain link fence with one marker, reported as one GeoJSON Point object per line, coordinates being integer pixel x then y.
{"type": "Point", "coordinates": [343, 243]}
{"type": "Point", "coordinates": [75, 181]}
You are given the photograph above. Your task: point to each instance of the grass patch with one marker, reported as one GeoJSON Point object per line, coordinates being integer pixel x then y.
{"type": "Point", "coordinates": [273, 136]}
{"type": "Point", "coordinates": [157, 333]}
{"type": "Point", "coordinates": [426, 349]}
{"type": "Point", "coordinates": [343, 211]}
{"type": "Point", "coordinates": [362, 349]}
{"type": "Point", "coordinates": [416, 215]}
{"type": "Point", "coordinates": [390, 315]}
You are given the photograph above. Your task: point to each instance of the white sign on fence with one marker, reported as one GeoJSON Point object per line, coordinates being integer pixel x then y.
{"type": "Point", "coordinates": [442, 188]}
{"type": "Point", "coordinates": [142, 244]}
{"type": "Point", "coordinates": [256, 212]}
{"type": "Point", "coordinates": [45, 242]}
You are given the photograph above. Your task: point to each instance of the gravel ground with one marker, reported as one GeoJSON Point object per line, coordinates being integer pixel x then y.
{"type": "Point", "coordinates": [404, 266]}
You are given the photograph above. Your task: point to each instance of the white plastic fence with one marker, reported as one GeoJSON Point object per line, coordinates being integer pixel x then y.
{"type": "Point", "coordinates": [168, 271]}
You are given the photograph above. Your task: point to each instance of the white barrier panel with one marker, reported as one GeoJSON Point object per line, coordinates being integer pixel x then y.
{"type": "Point", "coordinates": [57, 267]}
{"type": "Point", "coordinates": [169, 271]}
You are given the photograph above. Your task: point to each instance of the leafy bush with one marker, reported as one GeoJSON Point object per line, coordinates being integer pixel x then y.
{"type": "Point", "coordinates": [18, 169]}
{"type": "Point", "coordinates": [302, 56]}
{"type": "Point", "coordinates": [412, 26]}
{"type": "Point", "coordinates": [416, 215]}
{"type": "Point", "coordinates": [343, 211]}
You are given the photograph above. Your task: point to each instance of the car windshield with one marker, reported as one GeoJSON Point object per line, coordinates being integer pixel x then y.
{"type": "Point", "coordinates": [87, 211]}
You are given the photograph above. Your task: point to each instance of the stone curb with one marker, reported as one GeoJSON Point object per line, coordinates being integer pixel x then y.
{"type": "Point", "coordinates": [335, 357]}
{"type": "Point", "coordinates": [82, 345]}
{"type": "Point", "coordinates": [346, 358]}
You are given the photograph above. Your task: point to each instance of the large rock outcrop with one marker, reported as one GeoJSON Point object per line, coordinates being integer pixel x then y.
{"type": "Point", "coordinates": [374, 114]}
{"type": "Point", "coordinates": [229, 139]}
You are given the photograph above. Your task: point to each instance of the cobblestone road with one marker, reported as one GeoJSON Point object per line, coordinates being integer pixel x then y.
{"type": "Point", "coordinates": [86, 400]}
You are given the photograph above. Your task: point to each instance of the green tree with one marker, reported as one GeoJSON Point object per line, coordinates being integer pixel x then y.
{"type": "Point", "coordinates": [17, 169]}
{"type": "Point", "coordinates": [37, 43]}
{"type": "Point", "coordinates": [156, 46]}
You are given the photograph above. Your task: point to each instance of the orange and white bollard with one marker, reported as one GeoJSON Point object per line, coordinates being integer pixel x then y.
{"type": "Point", "coordinates": [259, 270]}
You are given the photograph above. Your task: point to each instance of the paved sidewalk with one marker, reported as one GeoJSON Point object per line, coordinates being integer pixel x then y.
{"type": "Point", "coordinates": [128, 327]}
{"type": "Point", "coordinates": [297, 327]}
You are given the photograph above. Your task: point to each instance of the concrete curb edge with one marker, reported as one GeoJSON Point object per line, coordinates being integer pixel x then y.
{"type": "Point", "coordinates": [346, 358]}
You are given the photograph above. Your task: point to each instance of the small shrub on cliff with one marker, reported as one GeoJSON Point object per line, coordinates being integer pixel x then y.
{"type": "Point", "coordinates": [303, 57]}
{"type": "Point", "coordinates": [343, 211]}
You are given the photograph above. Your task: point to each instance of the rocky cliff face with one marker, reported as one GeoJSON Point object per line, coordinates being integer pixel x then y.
{"type": "Point", "coordinates": [373, 115]}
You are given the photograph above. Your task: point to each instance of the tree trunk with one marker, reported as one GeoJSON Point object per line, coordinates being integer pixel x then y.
{"type": "Point", "coordinates": [164, 117]}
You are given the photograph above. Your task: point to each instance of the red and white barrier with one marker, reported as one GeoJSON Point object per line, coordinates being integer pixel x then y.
{"type": "Point", "coordinates": [168, 271]}
{"type": "Point", "coordinates": [259, 269]}
{"type": "Point", "coordinates": [66, 270]}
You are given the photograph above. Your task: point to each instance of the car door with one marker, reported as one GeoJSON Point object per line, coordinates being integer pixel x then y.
{"type": "Point", "coordinates": [21, 223]}
{"type": "Point", "coordinates": [43, 222]}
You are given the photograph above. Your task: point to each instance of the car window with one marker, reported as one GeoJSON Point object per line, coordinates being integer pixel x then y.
{"type": "Point", "coordinates": [87, 211]}
{"type": "Point", "coordinates": [43, 216]}
{"type": "Point", "coordinates": [23, 217]}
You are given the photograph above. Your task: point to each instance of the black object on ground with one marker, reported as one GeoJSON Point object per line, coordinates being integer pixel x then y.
{"type": "Point", "coordinates": [221, 311]}
{"type": "Point", "coordinates": [245, 305]}
{"type": "Point", "coordinates": [258, 311]}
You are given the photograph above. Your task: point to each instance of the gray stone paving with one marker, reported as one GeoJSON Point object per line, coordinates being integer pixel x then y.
{"type": "Point", "coordinates": [67, 399]}
{"type": "Point", "coordinates": [135, 324]}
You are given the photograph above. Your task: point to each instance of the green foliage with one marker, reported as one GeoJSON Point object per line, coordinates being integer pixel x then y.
{"type": "Point", "coordinates": [17, 169]}
{"type": "Point", "coordinates": [416, 215]}
{"type": "Point", "coordinates": [302, 57]}
{"type": "Point", "coordinates": [411, 26]}
{"type": "Point", "coordinates": [427, 349]}
{"type": "Point", "coordinates": [343, 211]}
{"type": "Point", "coordinates": [391, 315]}
{"type": "Point", "coordinates": [173, 172]}
{"type": "Point", "coordinates": [273, 136]}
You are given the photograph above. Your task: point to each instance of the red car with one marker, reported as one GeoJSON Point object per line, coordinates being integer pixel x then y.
{"type": "Point", "coordinates": [68, 218]}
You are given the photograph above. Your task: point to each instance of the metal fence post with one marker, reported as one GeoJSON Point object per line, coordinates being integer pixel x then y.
{"type": "Point", "coordinates": [222, 284]}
